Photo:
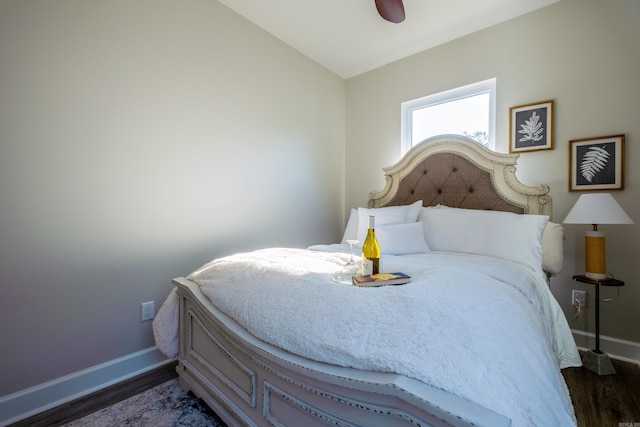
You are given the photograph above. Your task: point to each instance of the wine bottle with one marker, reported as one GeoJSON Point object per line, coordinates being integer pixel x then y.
{"type": "Point", "coordinates": [370, 251]}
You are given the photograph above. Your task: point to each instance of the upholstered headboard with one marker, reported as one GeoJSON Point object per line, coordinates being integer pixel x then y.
{"type": "Point", "coordinates": [458, 172]}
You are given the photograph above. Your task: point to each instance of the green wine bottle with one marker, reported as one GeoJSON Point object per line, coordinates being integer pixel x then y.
{"type": "Point", "coordinates": [370, 251]}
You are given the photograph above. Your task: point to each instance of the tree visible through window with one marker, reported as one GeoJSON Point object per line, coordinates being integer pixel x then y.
{"type": "Point", "coordinates": [469, 111]}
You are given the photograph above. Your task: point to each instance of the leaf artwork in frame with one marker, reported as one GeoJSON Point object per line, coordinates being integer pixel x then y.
{"type": "Point", "coordinates": [596, 163]}
{"type": "Point", "coordinates": [531, 127]}
{"type": "Point", "coordinates": [593, 162]}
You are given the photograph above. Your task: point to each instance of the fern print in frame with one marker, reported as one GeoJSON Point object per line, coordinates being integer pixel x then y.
{"type": "Point", "coordinates": [596, 163]}
{"type": "Point", "coordinates": [531, 127]}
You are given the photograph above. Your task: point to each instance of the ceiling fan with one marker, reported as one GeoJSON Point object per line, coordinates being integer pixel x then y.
{"type": "Point", "coordinates": [391, 10]}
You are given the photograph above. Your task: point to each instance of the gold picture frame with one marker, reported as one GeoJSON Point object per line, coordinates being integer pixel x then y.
{"type": "Point", "coordinates": [531, 127]}
{"type": "Point", "coordinates": [596, 163]}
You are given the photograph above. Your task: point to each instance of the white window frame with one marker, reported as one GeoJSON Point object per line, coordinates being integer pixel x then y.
{"type": "Point", "coordinates": [479, 88]}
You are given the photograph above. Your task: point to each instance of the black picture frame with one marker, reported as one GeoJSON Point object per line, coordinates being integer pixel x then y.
{"type": "Point", "coordinates": [596, 163]}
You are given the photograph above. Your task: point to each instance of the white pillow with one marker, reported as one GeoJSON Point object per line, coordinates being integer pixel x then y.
{"type": "Point", "coordinates": [386, 216]}
{"type": "Point", "coordinates": [552, 243]}
{"type": "Point", "coordinates": [382, 218]}
{"type": "Point", "coordinates": [504, 235]}
{"type": "Point", "coordinates": [400, 239]}
{"type": "Point", "coordinates": [552, 248]}
{"type": "Point", "coordinates": [351, 231]}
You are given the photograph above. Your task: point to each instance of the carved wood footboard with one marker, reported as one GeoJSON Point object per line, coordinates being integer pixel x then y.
{"type": "Point", "coordinates": [248, 382]}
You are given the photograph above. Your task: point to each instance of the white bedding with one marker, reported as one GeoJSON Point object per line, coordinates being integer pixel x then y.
{"type": "Point", "coordinates": [484, 329]}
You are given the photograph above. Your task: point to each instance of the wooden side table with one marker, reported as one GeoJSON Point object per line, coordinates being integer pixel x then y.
{"type": "Point", "coordinates": [596, 360]}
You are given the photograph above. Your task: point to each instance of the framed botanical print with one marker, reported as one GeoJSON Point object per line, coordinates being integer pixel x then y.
{"type": "Point", "coordinates": [596, 163]}
{"type": "Point", "coordinates": [531, 127]}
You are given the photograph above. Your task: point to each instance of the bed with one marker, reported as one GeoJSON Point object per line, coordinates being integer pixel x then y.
{"type": "Point", "coordinates": [266, 338]}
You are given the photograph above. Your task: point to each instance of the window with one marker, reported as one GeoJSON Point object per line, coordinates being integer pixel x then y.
{"type": "Point", "coordinates": [467, 110]}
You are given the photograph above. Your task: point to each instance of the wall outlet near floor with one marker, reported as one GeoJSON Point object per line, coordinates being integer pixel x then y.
{"type": "Point", "coordinates": [578, 297]}
{"type": "Point", "coordinates": [147, 310]}
{"type": "Point", "coordinates": [579, 302]}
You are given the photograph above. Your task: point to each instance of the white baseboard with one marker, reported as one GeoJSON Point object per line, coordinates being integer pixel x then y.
{"type": "Point", "coordinates": [628, 351]}
{"type": "Point", "coordinates": [37, 399]}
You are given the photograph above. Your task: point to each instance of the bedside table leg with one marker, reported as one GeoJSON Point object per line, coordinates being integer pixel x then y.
{"type": "Point", "coordinates": [596, 360]}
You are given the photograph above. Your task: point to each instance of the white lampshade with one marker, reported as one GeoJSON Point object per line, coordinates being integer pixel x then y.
{"type": "Point", "coordinates": [597, 208]}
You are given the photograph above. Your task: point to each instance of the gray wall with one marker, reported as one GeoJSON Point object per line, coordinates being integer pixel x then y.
{"type": "Point", "coordinates": [139, 140]}
{"type": "Point", "coordinates": [585, 55]}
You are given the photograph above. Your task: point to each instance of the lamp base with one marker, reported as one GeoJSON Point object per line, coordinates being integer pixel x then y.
{"type": "Point", "coordinates": [598, 362]}
{"type": "Point", "coordinates": [595, 255]}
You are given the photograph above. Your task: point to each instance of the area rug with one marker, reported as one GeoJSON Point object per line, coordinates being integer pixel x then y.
{"type": "Point", "coordinates": [165, 405]}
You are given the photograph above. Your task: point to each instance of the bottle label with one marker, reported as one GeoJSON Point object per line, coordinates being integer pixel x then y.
{"type": "Point", "coordinates": [367, 267]}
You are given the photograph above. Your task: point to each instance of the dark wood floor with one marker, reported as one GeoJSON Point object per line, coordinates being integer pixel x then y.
{"type": "Point", "coordinates": [608, 400]}
{"type": "Point", "coordinates": [83, 406]}
{"type": "Point", "coordinates": [599, 401]}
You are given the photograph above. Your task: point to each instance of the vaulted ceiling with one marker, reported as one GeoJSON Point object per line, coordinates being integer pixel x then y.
{"type": "Point", "coordinates": [349, 37]}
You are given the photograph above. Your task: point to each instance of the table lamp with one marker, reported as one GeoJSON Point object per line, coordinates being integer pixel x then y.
{"type": "Point", "coordinates": [596, 209]}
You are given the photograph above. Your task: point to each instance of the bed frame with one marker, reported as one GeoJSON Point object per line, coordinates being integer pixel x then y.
{"type": "Point", "coordinates": [458, 172]}
{"type": "Point", "coordinates": [250, 383]}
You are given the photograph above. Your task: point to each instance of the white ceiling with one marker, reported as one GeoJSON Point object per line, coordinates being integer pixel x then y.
{"type": "Point", "coordinates": [349, 37]}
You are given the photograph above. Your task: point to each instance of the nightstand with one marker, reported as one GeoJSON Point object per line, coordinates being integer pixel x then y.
{"type": "Point", "coordinates": [596, 360]}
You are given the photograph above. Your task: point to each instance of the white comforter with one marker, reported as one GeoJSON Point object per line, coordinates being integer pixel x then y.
{"type": "Point", "coordinates": [483, 329]}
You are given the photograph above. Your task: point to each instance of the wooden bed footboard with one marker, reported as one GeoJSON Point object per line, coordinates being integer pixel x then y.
{"type": "Point", "coordinates": [251, 383]}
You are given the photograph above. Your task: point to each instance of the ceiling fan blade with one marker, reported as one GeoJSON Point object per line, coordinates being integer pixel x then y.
{"type": "Point", "coordinates": [391, 10]}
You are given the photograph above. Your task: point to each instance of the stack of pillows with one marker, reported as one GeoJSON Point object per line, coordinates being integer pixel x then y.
{"type": "Point", "coordinates": [531, 240]}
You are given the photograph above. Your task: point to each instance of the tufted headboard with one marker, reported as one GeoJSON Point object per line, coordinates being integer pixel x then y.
{"type": "Point", "coordinates": [458, 172]}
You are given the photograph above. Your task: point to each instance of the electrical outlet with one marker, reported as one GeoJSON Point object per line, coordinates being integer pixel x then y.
{"type": "Point", "coordinates": [578, 298]}
{"type": "Point", "coordinates": [579, 302]}
{"type": "Point", "coordinates": [147, 310]}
